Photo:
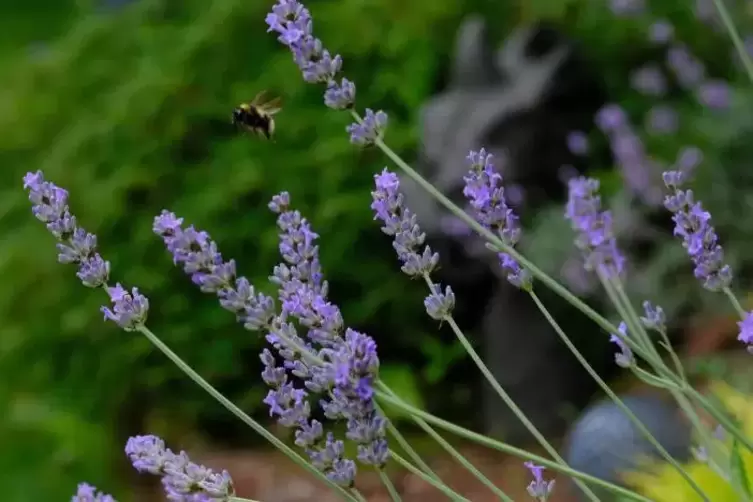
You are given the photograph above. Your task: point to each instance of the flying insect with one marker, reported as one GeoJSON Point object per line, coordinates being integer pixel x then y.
{"type": "Point", "coordinates": [257, 116]}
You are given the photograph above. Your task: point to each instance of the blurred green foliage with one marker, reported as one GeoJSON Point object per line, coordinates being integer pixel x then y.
{"type": "Point", "coordinates": [128, 109]}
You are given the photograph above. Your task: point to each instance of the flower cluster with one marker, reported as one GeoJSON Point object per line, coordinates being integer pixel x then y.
{"type": "Point", "coordinates": [539, 488]}
{"type": "Point", "coordinates": [182, 480]}
{"type": "Point", "coordinates": [76, 245]}
{"type": "Point", "coordinates": [693, 225]}
{"type": "Point", "coordinates": [593, 227]}
{"type": "Point", "coordinates": [746, 331]}
{"type": "Point", "coordinates": [295, 28]}
{"type": "Point", "coordinates": [88, 493]}
{"type": "Point", "coordinates": [484, 191]}
{"type": "Point", "coordinates": [624, 358]}
{"type": "Point", "coordinates": [348, 364]}
{"type": "Point", "coordinates": [400, 223]}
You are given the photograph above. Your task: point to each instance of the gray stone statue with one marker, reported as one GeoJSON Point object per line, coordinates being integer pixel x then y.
{"type": "Point", "coordinates": [519, 103]}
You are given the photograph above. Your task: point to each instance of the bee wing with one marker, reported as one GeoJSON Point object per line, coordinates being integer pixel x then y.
{"type": "Point", "coordinates": [259, 98]}
{"type": "Point", "coordinates": [273, 105]}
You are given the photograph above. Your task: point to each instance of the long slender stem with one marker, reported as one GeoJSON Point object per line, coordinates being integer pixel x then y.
{"type": "Point", "coordinates": [412, 453]}
{"type": "Point", "coordinates": [621, 405]}
{"type": "Point", "coordinates": [735, 302]}
{"type": "Point", "coordinates": [232, 408]}
{"type": "Point", "coordinates": [452, 451]}
{"type": "Point", "coordinates": [511, 450]}
{"type": "Point", "coordinates": [735, 36]}
{"type": "Point", "coordinates": [502, 393]}
{"type": "Point", "coordinates": [720, 417]}
{"type": "Point", "coordinates": [453, 495]}
{"type": "Point", "coordinates": [387, 482]}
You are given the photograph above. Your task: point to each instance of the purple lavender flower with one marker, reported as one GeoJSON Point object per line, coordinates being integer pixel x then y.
{"type": "Point", "coordinates": [610, 118]}
{"type": "Point", "coordinates": [50, 206]}
{"type": "Point", "coordinates": [88, 493]}
{"type": "Point", "coordinates": [577, 143]}
{"type": "Point", "coordinates": [198, 255]}
{"type": "Point", "coordinates": [595, 237]}
{"type": "Point", "coordinates": [653, 317]}
{"type": "Point", "coordinates": [627, 7]}
{"type": "Point", "coordinates": [370, 130]}
{"type": "Point", "coordinates": [539, 489]}
{"type": "Point", "coordinates": [624, 358]}
{"type": "Point", "coordinates": [182, 480]}
{"type": "Point", "coordinates": [714, 94]}
{"type": "Point", "coordinates": [688, 70]}
{"type": "Point", "coordinates": [746, 331]}
{"type": "Point", "coordinates": [484, 191]}
{"type": "Point", "coordinates": [662, 119]}
{"type": "Point", "coordinates": [688, 159]}
{"type": "Point", "coordinates": [129, 310]}
{"type": "Point", "coordinates": [649, 80]}
{"type": "Point", "coordinates": [661, 32]}
{"type": "Point", "coordinates": [693, 225]}
{"type": "Point", "coordinates": [294, 26]}
{"type": "Point", "coordinates": [349, 360]}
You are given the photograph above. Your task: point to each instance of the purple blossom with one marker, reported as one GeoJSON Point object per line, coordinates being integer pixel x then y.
{"type": "Point", "coordinates": [577, 143]}
{"type": "Point", "coordinates": [688, 159]}
{"type": "Point", "coordinates": [595, 237]}
{"type": "Point", "coordinates": [369, 130]}
{"type": "Point", "coordinates": [199, 257]}
{"type": "Point", "coordinates": [439, 305]}
{"type": "Point", "coordinates": [539, 488]}
{"type": "Point", "coordinates": [88, 493]}
{"type": "Point", "coordinates": [653, 317]}
{"type": "Point", "coordinates": [349, 365]}
{"type": "Point", "coordinates": [610, 118]}
{"type": "Point", "coordinates": [714, 94]}
{"type": "Point", "coordinates": [746, 331]}
{"type": "Point", "coordinates": [661, 32]}
{"type": "Point", "coordinates": [649, 80]}
{"type": "Point", "coordinates": [400, 222]}
{"type": "Point", "coordinates": [75, 245]}
{"type": "Point", "coordinates": [294, 26]}
{"type": "Point", "coordinates": [484, 191]}
{"type": "Point", "coordinates": [688, 70]}
{"type": "Point", "coordinates": [182, 480]}
{"type": "Point", "coordinates": [624, 358]}
{"type": "Point", "coordinates": [627, 7]}
{"type": "Point", "coordinates": [662, 119]}
{"type": "Point", "coordinates": [129, 310]}
{"type": "Point", "coordinates": [693, 225]}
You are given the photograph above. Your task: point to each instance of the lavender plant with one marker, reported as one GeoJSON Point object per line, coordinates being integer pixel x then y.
{"type": "Point", "coordinates": [313, 359]}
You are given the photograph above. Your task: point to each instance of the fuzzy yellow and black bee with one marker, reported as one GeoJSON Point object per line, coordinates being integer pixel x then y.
{"type": "Point", "coordinates": [257, 116]}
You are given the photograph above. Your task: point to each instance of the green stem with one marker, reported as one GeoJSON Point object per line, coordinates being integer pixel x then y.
{"type": "Point", "coordinates": [508, 449]}
{"type": "Point", "coordinates": [506, 397]}
{"type": "Point", "coordinates": [453, 495]}
{"type": "Point", "coordinates": [631, 416]}
{"type": "Point", "coordinates": [735, 303]}
{"type": "Point", "coordinates": [232, 408]}
{"type": "Point", "coordinates": [735, 36]}
{"type": "Point", "coordinates": [720, 417]}
{"type": "Point", "coordinates": [452, 451]}
{"type": "Point", "coordinates": [387, 482]}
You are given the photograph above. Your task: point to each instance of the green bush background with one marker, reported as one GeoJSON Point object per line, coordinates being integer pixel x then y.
{"type": "Point", "coordinates": [128, 109]}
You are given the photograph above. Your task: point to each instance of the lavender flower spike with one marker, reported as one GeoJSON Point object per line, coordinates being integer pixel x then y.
{"type": "Point", "coordinates": [350, 362]}
{"type": "Point", "coordinates": [483, 189]}
{"type": "Point", "coordinates": [699, 238]}
{"type": "Point", "coordinates": [593, 227]}
{"type": "Point", "coordinates": [88, 493]}
{"type": "Point", "coordinates": [182, 479]}
{"type": "Point", "coordinates": [624, 358]}
{"type": "Point", "coordinates": [75, 245]}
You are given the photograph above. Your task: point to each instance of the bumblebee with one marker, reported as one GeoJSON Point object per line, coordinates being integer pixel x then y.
{"type": "Point", "coordinates": [257, 116]}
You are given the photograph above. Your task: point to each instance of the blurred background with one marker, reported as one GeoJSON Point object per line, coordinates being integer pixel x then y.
{"type": "Point", "coordinates": [127, 105]}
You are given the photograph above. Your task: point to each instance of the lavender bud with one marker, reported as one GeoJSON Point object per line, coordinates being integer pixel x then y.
{"type": "Point", "coordinates": [649, 80]}
{"type": "Point", "coordinates": [340, 96]}
{"type": "Point", "coordinates": [624, 358]}
{"type": "Point", "coordinates": [88, 493]}
{"type": "Point", "coordinates": [439, 305]}
{"type": "Point", "coordinates": [129, 310]}
{"type": "Point", "coordinates": [653, 317]}
{"type": "Point", "coordinates": [539, 489]}
{"type": "Point", "coordinates": [661, 32]}
{"type": "Point", "coordinates": [369, 130]}
{"type": "Point", "coordinates": [714, 94]}
{"type": "Point", "coordinates": [577, 143]}
{"type": "Point", "coordinates": [746, 331]}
